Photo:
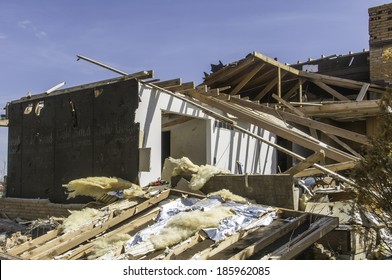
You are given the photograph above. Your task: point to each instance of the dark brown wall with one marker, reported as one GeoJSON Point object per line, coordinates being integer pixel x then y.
{"type": "Point", "coordinates": [79, 133]}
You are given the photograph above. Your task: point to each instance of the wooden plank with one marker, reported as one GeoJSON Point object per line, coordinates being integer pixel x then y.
{"type": "Point", "coordinates": [210, 252]}
{"type": "Point", "coordinates": [313, 132]}
{"type": "Point", "coordinates": [276, 63]}
{"type": "Point", "coordinates": [137, 222]}
{"type": "Point", "coordinates": [300, 82]}
{"type": "Point", "coordinates": [341, 82]}
{"type": "Point", "coordinates": [288, 105]}
{"type": "Point", "coordinates": [309, 161]}
{"type": "Point", "coordinates": [291, 91]}
{"type": "Point", "coordinates": [206, 110]}
{"type": "Point", "coordinates": [247, 78]}
{"type": "Point", "coordinates": [64, 242]}
{"type": "Point", "coordinates": [269, 86]}
{"type": "Point", "coordinates": [169, 83]}
{"type": "Point", "coordinates": [270, 235]}
{"type": "Point", "coordinates": [184, 86]}
{"type": "Point", "coordinates": [5, 256]}
{"type": "Point", "coordinates": [297, 245]}
{"type": "Point", "coordinates": [333, 167]}
{"type": "Point", "coordinates": [35, 242]}
{"type": "Point", "coordinates": [330, 90]}
{"type": "Point", "coordinates": [179, 249]}
{"type": "Point", "coordinates": [362, 92]}
{"type": "Point", "coordinates": [343, 108]}
{"type": "Point", "coordinates": [286, 116]}
{"type": "Point", "coordinates": [344, 145]}
{"type": "Point", "coordinates": [228, 71]}
{"type": "Point", "coordinates": [4, 123]}
{"type": "Point", "coordinates": [279, 90]}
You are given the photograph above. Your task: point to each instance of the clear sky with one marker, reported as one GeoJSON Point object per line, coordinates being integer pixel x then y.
{"type": "Point", "coordinates": [39, 40]}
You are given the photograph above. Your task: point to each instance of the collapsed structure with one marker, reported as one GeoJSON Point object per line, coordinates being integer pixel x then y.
{"type": "Point", "coordinates": [268, 124]}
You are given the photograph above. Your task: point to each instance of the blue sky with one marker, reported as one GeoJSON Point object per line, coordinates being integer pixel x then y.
{"type": "Point", "coordinates": [39, 40]}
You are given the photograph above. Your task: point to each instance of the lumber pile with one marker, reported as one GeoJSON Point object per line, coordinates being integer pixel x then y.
{"type": "Point", "coordinates": [175, 225]}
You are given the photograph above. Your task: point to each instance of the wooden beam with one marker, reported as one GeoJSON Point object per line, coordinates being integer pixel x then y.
{"type": "Point", "coordinates": [33, 243]}
{"type": "Point", "coordinates": [291, 91]}
{"type": "Point", "coordinates": [261, 79]}
{"type": "Point", "coordinates": [288, 105]}
{"type": "Point", "coordinates": [207, 111]}
{"type": "Point", "coordinates": [177, 120]}
{"type": "Point", "coordinates": [184, 86]}
{"type": "Point", "coordinates": [300, 82]}
{"type": "Point", "coordinates": [363, 91]}
{"type": "Point", "coordinates": [309, 161]}
{"type": "Point", "coordinates": [136, 223]}
{"type": "Point", "coordinates": [4, 123]}
{"type": "Point", "coordinates": [169, 83]}
{"type": "Point", "coordinates": [345, 83]}
{"type": "Point", "coordinates": [268, 123]}
{"type": "Point", "coordinates": [276, 63]}
{"type": "Point", "coordinates": [287, 116]}
{"type": "Point", "coordinates": [269, 235]}
{"type": "Point", "coordinates": [316, 230]}
{"type": "Point", "coordinates": [228, 71]}
{"type": "Point", "coordinates": [343, 108]}
{"type": "Point", "coordinates": [333, 167]}
{"type": "Point", "coordinates": [344, 145]}
{"type": "Point", "coordinates": [211, 251]}
{"type": "Point", "coordinates": [279, 89]}
{"type": "Point", "coordinates": [330, 90]}
{"type": "Point", "coordinates": [178, 249]}
{"type": "Point", "coordinates": [68, 241]}
{"type": "Point", "coordinates": [269, 86]}
{"type": "Point", "coordinates": [247, 78]}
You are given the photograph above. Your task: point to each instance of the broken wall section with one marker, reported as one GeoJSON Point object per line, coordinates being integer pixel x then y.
{"type": "Point", "coordinates": [32, 209]}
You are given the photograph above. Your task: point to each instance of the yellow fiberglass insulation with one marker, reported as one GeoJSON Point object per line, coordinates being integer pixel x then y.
{"type": "Point", "coordinates": [184, 166]}
{"type": "Point", "coordinates": [79, 218]}
{"type": "Point", "coordinates": [185, 224]}
{"type": "Point", "coordinates": [131, 193]}
{"type": "Point", "coordinates": [104, 246]}
{"type": "Point", "coordinates": [204, 174]}
{"type": "Point", "coordinates": [96, 187]}
{"type": "Point", "coordinates": [228, 195]}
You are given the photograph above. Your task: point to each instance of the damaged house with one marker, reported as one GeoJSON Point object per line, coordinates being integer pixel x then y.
{"type": "Point", "coordinates": [263, 123]}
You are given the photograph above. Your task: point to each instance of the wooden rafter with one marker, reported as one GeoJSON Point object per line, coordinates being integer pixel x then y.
{"type": "Point", "coordinates": [335, 81]}
{"type": "Point", "coordinates": [183, 86]}
{"type": "Point", "coordinates": [333, 167]}
{"type": "Point", "coordinates": [228, 71]}
{"type": "Point", "coordinates": [344, 145]}
{"type": "Point", "coordinates": [4, 123]}
{"type": "Point", "coordinates": [169, 83]}
{"type": "Point", "coordinates": [309, 161]}
{"type": "Point", "coordinates": [247, 78]}
{"type": "Point", "coordinates": [286, 116]}
{"type": "Point", "coordinates": [330, 90]}
{"type": "Point", "coordinates": [362, 92]}
{"type": "Point", "coordinates": [337, 109]}
{"type": "Point", "coordinates": [266, 123]}
{"type": "Point", "coordinates": [268, 87]}
{"type": "Point", "coordinates": [62, 243]}
{"type": "Point", "coordinates": [288, 105]}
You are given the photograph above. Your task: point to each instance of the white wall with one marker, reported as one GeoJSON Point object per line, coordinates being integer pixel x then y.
{"type": "Point", "coordinates": [224, 145]}
{"type": "Point", "coordinates": [229, 146]}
